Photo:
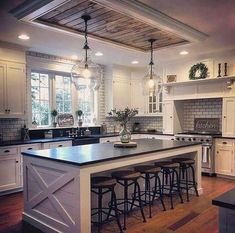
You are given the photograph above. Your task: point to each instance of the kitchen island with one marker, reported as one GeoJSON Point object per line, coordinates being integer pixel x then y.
{"type": "Point", "coordinates": [57, 196]}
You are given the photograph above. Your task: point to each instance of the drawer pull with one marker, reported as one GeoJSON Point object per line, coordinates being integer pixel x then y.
{"type": "Point", "coordinates": [30, 148]}
{"type": "Point", "coordinates": [107, 141]}
{"type": "Point", "coordinates": [224, 142]}
{"type": "Point", "coordinates": [60, 146]}
{"type": "Point", "coordinates": [6, 151]}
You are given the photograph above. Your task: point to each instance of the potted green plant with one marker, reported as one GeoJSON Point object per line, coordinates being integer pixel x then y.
{"type": "Point", "coordinates": [123, 116]}
{"type": "Point", "coordinates": [80, 114]}
{"type": "Point", "coordinates": [54, 113]}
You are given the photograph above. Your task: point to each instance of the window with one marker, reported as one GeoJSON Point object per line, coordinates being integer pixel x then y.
{"type": "Point", "coordinates": [40, 98]}
{"type": "Point", "coordinates": [63, 94]}
{"type": "Point", "coordinates": [86, 101]}
{"type": "Point", "coordinates": [54, 91]}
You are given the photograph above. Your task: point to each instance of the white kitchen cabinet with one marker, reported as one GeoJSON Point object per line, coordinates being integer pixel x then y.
{"type": "Point", "coordinates": [13, 88]}
{"type": "Point", "coordinates": [228, 121]}
{"type": "Point", "coordinates": [10, 170]}
{"type": "Point", "coordinates": [121, 94]}
{"type": "Point", "coordinates": [168, 117]}
{"type": "Point", "coordinates": [2, 88]}
{"type": "Point", "coordinates": [110, 139]}
{"type": "Point", "coordinates": [224, 157]}
{"type": "Point", "coordinates": [172, 117]}
{"type": "Point", "coordinates": [51, 145]}
{"type": "Point", "coordinates": [138, 100]}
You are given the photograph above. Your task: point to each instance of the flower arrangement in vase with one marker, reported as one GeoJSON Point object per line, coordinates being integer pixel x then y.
{"type": "Point", "coordinates": [124, 116]}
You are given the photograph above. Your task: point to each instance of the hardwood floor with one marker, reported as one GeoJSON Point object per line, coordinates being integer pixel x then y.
{"type": "Point", "coordinates": [196, 216]}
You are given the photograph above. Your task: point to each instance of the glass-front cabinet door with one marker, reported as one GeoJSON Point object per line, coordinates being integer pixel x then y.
{"type": "Point", "coordinates": [155, 103]}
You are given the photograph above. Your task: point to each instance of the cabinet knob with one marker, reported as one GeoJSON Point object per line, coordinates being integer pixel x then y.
{"type": "Point", "coordinates": [17, 161]}
{"type": "Point", "coordinates": [224, 116]}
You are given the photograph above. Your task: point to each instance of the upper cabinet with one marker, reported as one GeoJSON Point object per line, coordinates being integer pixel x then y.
{"type": "Point", "coordinates": [12, 89]}
{"type": "Point", "coordinates": [228, 121]}
{"type": "Point", "coordinates": [124, 88]}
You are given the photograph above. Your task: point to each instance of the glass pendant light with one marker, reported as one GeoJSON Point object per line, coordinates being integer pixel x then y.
{"type": "Point", "coordinates": [151, 82]}
{"type": "Point", "coordinates": [86, 68]}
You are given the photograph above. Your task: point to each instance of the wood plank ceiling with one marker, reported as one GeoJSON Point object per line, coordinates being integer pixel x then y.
{"type": "Point", "coordinates": [108, 25]}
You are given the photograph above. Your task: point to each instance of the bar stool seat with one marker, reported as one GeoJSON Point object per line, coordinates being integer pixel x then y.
{"type": "Point", "coordinates": [126, 175]}
{"type": "Point", "coordinates": [167, 164]}
{"type": "Point", "coordinates": [183, 160]}
{"type": "Point", "coordinates": [102, 181]}
{"type": "Point", "coordinates": [147, 169]}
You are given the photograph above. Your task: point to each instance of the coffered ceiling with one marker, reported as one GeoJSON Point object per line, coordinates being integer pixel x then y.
{"type": "Point", "coordinates": [214, 18]}
{"type": "Point", "coordinates": [125, 23]}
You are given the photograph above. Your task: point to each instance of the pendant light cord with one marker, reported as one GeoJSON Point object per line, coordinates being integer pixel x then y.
{"type": "Point", "coordinates": [151, 60]}
{"type": "Point", "coordinates": [86, 46]}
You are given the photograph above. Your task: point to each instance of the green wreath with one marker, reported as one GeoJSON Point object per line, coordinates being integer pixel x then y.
{"type": "Point", "coordinates": [202, 68]}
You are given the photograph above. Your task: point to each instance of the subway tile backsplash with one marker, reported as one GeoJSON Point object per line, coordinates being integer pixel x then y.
{"type": "Point", "coordinates": [201, 108]}
{"type": "Point", "coordinates": [11, 128]}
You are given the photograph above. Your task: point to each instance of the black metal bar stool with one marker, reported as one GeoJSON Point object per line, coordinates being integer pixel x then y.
{"type": "Point", "coordinates": [186, 164]}
{"type": "Point", "coordinates": [170, 179]}
{"type": "Point", "coordinates": [150, 172]}
{"type": "Point", "coordinates": [126, 178]}
{"type": "Point", "coordinates": [101, 185]}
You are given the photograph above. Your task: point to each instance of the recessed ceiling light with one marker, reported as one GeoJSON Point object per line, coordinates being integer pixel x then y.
{"type": "Point", "coordinates": [74, 57]}
{"type": "Point", "coordinates": [99, 54]}
{"type": "Point", "coordinates": [23, 37]}
{"type": "Point", "coordinates": [183, 52]}
{"type": "Point", "coordinates": [135, 62]}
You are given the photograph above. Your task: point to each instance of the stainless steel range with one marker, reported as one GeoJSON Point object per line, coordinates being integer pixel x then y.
{"type": "Point", "coordinates": [204, 131]}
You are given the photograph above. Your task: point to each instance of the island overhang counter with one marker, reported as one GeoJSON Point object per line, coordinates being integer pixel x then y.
{"type": "Point", "coordinates": [57, 195]}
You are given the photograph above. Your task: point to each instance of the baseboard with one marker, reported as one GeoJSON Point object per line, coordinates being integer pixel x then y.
{"type": "Point", "coordinates": [226, 177]}
{"type": "Point", "coordinates": [38, 224]}
{"type": "Point", "coordinates": [4, 193]}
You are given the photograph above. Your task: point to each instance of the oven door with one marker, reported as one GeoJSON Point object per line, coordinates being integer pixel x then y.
{"type": "Point", "coordinates": [207, 156]}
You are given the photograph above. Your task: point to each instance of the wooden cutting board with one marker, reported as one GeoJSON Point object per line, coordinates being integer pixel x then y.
{"type": "Point", "coordinates": [125, 145]}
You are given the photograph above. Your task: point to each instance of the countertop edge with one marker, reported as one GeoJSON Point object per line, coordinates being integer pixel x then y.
{"type": "Point", "coordinates": [106, 159]}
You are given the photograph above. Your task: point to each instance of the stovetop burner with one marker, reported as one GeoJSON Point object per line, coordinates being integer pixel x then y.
{"type": "Point", "coordinates": [201, 133]}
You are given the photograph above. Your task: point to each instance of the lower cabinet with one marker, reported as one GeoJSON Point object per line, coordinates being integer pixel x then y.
{"type": "Point", "coordinates": [51, 145]}
{"type": "Point", "coordinates": [109, 139]}
{"type": "Point", "coordinates": [10, 169]}
{"type": "Point", "coordinates": [11, 163]}
{"type": "Point", "coordinates": [224, 157]}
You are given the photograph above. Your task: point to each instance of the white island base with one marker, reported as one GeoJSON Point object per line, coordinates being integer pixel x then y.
{"type": "Point", "coordinates": [57, 196]}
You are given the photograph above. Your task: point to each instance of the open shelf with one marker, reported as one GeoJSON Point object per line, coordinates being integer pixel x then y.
{"type": "Point", "coordinates": [201, 81]}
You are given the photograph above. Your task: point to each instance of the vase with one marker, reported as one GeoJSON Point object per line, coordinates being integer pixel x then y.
{"type": "Point", "coordinates": [125, 134]}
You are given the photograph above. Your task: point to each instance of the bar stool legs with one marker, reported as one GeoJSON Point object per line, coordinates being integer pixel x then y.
{"type": "Point", "coordinates": [128, 178]}
{"type": "Point", "coordinates": [100, 186]}
{"type": "Point", "coordinates": [186, 165]}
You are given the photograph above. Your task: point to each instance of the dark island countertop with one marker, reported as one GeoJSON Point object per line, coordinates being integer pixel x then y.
{"type": "Point", "coordinates": [43, 140]}
{"type": "Point", "coordinates": [226, 200]}
{"type": "Point", "coordinates": [96, 153]}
